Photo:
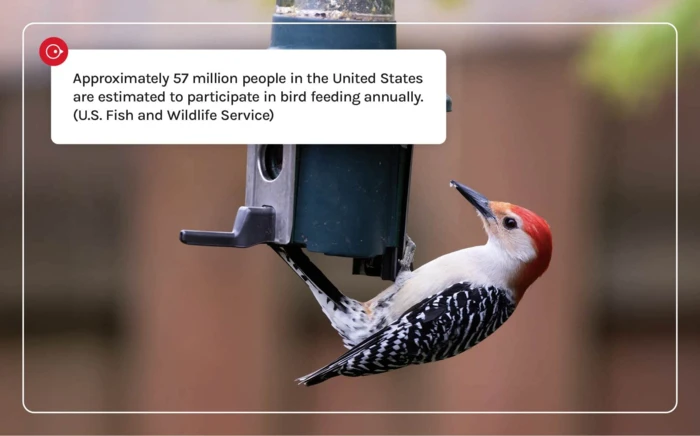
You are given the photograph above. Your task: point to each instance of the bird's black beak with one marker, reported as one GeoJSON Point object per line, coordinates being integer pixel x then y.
{"type": "Point", "coordinates": [480, 203]}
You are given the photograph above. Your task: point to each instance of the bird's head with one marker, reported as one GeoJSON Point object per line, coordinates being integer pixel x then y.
{"type": "Point", "coordinates": [520, 236]}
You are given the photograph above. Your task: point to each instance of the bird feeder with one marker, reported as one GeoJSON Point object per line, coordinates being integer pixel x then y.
{"type": "Point", "coordinates": [339, 200]}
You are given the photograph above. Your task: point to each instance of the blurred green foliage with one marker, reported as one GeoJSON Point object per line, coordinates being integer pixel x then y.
{"type": "Point", "coordinates": [632, 65]}
{"type": "Point", "coordinates": [450, 3]}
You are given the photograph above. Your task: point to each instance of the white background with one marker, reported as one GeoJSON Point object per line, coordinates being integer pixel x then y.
{"type": "Point", "coordinates": [303, 123]}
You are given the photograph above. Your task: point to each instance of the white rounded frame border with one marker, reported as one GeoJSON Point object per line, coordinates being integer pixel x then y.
{"type": "Point", "coordinates": [351, 412]}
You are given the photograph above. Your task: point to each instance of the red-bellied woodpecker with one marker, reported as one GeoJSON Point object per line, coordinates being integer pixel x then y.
{"type": "Point", "coordinates": [444, 307]}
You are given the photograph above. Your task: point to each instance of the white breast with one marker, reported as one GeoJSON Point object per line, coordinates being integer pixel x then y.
{"type": "Point", "coordinates": [484, 265]}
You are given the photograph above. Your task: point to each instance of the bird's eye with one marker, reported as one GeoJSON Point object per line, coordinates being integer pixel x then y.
{"type": "Point", "coordinates": [510, 223]}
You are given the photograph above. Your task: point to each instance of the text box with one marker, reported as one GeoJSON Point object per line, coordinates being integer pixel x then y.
{"type": "Point", "coordinates": [249, 96]}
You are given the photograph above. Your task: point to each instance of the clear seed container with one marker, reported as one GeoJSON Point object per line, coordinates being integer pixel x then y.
{"type": "Point", "coordinates": [359, 10]}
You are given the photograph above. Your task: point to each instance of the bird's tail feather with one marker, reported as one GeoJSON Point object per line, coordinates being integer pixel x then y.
{"type": "Point", "coordinates": [314, 278]}
{"type": "Point", "coordinates": [347, 316]}
{"type": "Point", "coordinates": [318, 376]}
{"type": "Point", "coordinates": [334, 368]}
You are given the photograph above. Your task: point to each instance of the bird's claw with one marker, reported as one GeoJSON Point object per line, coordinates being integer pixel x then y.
{"type": "Point", "coordinates": [408, 252]}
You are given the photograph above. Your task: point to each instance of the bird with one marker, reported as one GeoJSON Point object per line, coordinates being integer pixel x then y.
{"type": "Point", "coordinates": [441, 309]}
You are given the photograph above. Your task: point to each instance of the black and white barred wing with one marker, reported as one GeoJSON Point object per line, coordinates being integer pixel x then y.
{"type": "Point", "coordinates": [439, 327]}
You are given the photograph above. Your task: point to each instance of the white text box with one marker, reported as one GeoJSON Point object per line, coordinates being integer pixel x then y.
{"type": "Point", "coordinates": [249, 96]}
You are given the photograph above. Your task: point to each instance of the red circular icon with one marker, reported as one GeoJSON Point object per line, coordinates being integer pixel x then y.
{"type": "Point", "coordinates": [53, 51]}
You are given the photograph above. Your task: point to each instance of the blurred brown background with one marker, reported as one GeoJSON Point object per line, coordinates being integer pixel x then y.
{"type": "Point", "coordinates": [121, 316]}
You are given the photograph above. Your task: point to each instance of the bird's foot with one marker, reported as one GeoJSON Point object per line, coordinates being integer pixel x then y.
{"type": "Point", "coordinates": [409, 250]}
